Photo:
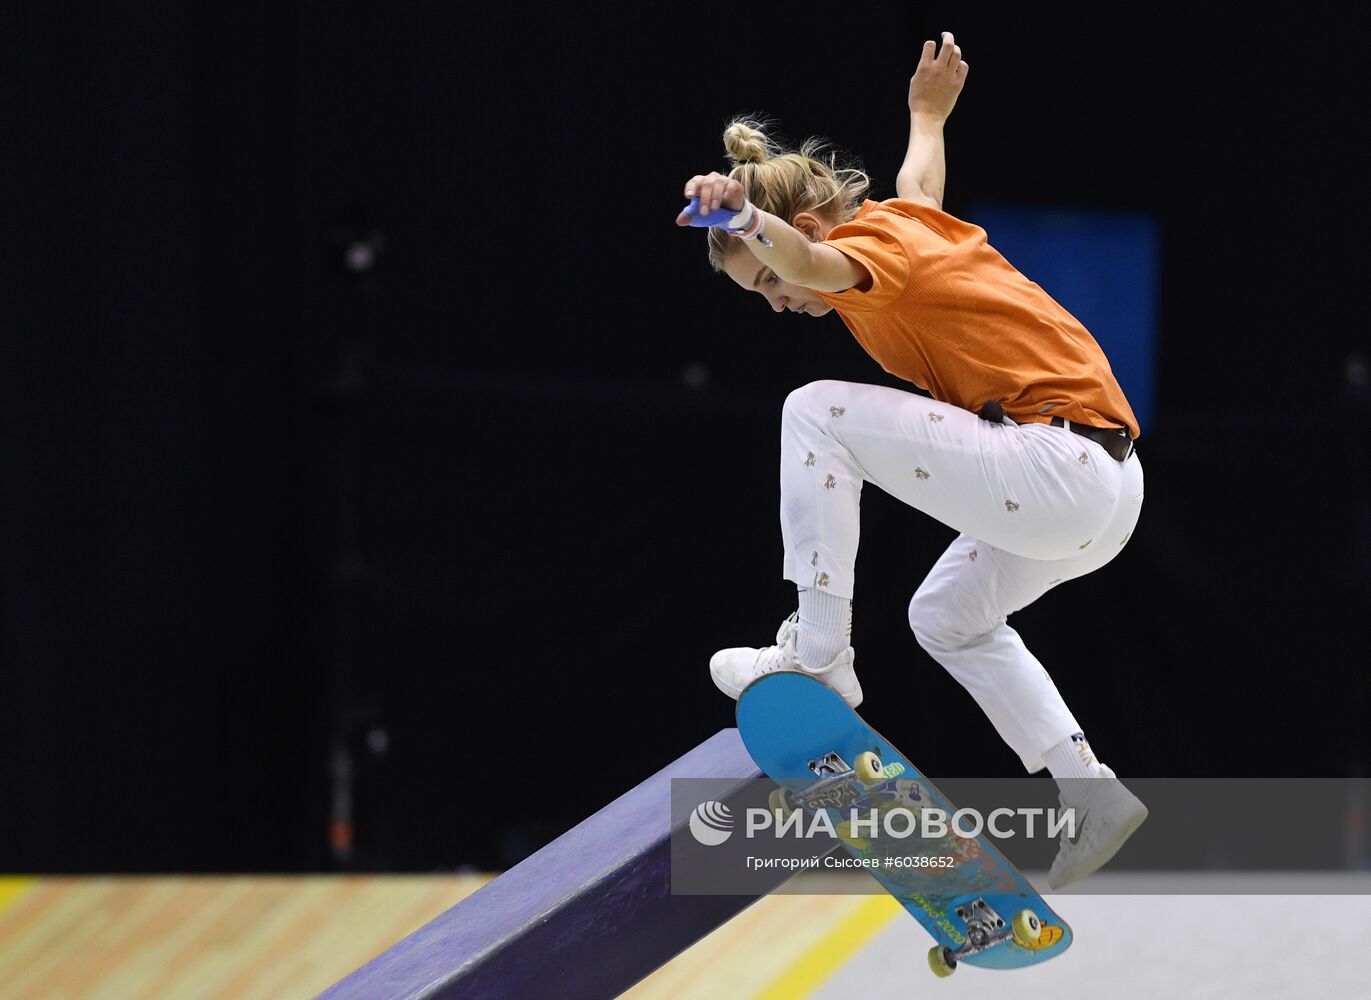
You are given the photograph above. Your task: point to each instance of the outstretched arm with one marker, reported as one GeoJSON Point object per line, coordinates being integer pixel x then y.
{"type": "Point", "coordinates": [933, 92]}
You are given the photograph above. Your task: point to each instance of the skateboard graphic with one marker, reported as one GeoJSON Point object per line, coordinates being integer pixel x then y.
{"type": "Point", "coordinates": [976, 905]}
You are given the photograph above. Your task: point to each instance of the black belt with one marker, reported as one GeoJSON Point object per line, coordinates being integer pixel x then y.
{"type": "Point", "coordinates": [1114, 440]}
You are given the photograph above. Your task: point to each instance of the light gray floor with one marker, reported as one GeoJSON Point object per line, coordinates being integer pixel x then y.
{"type": "Point", "coordinates": [1153, 947]}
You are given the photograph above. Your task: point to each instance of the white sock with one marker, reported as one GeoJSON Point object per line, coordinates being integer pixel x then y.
{"type": "Point", "coordinates": [1072, 758]}
{"type": "Point", "coordinates": [825, 627]}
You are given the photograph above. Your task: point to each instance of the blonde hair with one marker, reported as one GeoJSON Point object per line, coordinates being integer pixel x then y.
{"type": "Point", "coordinates": [788, 182]}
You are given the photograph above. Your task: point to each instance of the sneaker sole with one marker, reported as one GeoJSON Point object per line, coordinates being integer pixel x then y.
{"type": "Point", "coordinates": [846, 696]}
{"type": "Point", "coordinates": [735, 695]}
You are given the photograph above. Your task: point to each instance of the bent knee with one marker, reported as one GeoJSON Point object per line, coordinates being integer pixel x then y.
{"type": "Point", "coordinates": [939, 622]}
{"type": "Point", "coordinates": [925, 618]}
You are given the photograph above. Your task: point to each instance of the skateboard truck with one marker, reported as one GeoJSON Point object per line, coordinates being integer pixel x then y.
{"type": "Point", "coordinates": [839, 784]}
{"type": "Point", "coordinates": [985, 929]}
{"type": "Point", "coordinates": [830, 764]}
{"type": "Point", "coordinates": [866, 769]}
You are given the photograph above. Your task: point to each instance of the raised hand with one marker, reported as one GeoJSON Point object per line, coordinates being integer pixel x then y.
{"type": "Point", "coordinates": [938, 79]}
{"type": "Point", "coordinates": [715, 191]}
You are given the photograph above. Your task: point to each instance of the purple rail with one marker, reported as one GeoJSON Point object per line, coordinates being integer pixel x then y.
{"type": "Point", "coordinates": [587, 916]}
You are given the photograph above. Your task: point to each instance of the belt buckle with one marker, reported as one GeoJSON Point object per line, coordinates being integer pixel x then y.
{"type": "Point", "coordinates": [1128, 446]}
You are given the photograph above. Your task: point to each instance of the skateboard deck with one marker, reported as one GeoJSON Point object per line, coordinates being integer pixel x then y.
{"type": "Point", "coordinates": [976, 905]}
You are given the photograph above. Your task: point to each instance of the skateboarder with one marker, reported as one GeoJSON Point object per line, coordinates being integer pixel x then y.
{"type": "Point", "coordinates": [1025, 448]}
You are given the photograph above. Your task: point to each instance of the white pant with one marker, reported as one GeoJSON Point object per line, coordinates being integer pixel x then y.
{"type": "Point", "coordinates": [1036, 505]}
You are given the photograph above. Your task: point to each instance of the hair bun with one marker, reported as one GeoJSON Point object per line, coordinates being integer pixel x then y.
{"type": "Point", "coordinates": [745, 142]}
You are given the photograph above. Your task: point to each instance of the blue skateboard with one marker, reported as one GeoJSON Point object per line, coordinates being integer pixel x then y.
{"type": "Point", "coordinates": [965, 893]}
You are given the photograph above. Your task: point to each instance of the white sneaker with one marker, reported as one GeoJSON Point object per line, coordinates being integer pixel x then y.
{"type": "Point", "coordinates": [1104, 820]}
{"type": "Point", "coordinates": [734, 669]}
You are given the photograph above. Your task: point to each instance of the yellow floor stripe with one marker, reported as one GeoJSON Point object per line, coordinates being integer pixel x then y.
{"type": "Point", "coordinates": [833, 950]}
{"type": "Point", "coordinates": [12, 887]}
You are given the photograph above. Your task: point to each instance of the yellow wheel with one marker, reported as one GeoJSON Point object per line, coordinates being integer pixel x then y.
{"type": "Point", "coordinates": [779, 803]}
{"type": "Point", "coordinates": [844, 832]}
{"type": "Point", "coordinates": [868, 768]}
{"type": "Point", "coordinates": [942, 964]}
{"type": "Point", "coordinates": [1027, 928]}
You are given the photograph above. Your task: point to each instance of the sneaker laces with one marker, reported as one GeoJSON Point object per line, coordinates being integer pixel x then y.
{"type": "Point", "coordinates": [786, 632]}
{"type": "Point", "coordinates": [781, 656]}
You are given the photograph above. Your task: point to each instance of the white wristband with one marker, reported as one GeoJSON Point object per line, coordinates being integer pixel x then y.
{"type": "Point", "coordinates": [744, 217]}
{"type": "Point", "coordinates": [748, 224]}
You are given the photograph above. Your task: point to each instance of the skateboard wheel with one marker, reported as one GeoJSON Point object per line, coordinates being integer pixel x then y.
{"type": "Point", "coordinates": [779, 803]}
{"type": "Point", "coordinates": [844, 832]}
{"type": "Point", "coordinates": [1027, 928]}
{"type": "Point", "coordinates": [868, 768]}
{"type": "Point", "coordinates": [940, 960]}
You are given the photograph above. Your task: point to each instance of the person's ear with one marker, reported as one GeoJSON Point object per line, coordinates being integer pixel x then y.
{"type": "Point", "coordinates": [808, 223]}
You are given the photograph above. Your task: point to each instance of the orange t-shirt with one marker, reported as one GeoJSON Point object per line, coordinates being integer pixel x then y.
{"type": "Point", "coordinates": [948, 313]}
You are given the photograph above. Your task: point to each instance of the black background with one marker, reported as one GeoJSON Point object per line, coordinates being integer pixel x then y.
{"type": "Point", "coordinates": [254, 506]}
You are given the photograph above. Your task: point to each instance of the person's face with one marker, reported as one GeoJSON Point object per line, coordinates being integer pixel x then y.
{"type": "Point", "coordinates": [754, 276]}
